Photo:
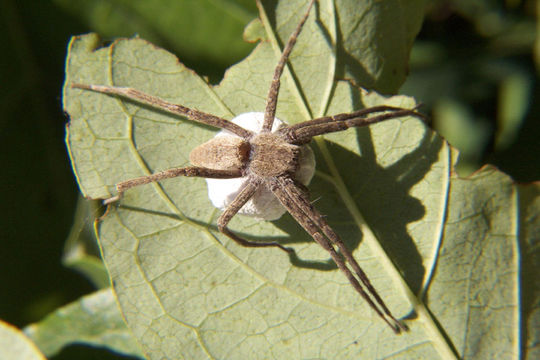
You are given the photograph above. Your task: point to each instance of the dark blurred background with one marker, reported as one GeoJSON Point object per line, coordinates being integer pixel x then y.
{"type": "Point", "coordinates": [473, 66]}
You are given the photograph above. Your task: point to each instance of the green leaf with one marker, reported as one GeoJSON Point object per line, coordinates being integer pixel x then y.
{"type": "Point", "coordinates": [92, 320]}
{"type": "Point", "coordinates": [376, 39]}
{"type": "Point", "coordinates": [458, 124]}
{"type": "Point", "coordinates": [529, 211]}
{"type": "Point", "coordinates": [14, 345]}
{"type": "Point", "coordinates": [81, 250]}
{"type": "Point", "coordinates": [474, 289]}
{"type": "Point", "coordinates": [515, 95]}
{"type": "Point", "coordinates": [389, 191]}
{"type": "Point", "coordinates": [186, 26]}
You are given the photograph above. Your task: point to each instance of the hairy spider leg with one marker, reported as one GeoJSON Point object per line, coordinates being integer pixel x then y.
{"type": "Point", "coordinates": [160, 104]}
{"type": "Point", "coordinates": [252, 185]}
{"type": "Point", "coordinates": [271, 102]}
{"type": "Point", "coordinates": [307, 223]}
{"type": "Point", "coordinates": [355, 114]}
{"type": "Point", "coordinates": [303, 203]}
{"type": "Point", "coordinates": [304, 134]}
{"type": "Point", "coordinates": [191, 171]}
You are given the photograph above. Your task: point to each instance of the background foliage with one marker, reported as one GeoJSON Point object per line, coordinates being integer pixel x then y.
{"type": "Point", "coordinates": [472, 65]}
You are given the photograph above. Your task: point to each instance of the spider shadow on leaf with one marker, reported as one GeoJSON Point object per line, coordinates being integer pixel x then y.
{"type": "Point", "coordinates": [382, 196]}
{"type": "Point", "coordinates": [291, 227]}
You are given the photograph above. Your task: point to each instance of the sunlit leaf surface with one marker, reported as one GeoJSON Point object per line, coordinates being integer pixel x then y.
{"type": "Point", "coordinates": [440, 250]}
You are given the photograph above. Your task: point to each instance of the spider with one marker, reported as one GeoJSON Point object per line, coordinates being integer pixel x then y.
{"type": "Point", "coordinates": [269, 160]}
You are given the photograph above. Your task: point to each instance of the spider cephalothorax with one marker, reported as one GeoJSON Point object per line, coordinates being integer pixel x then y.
{"type": "Point", "coordinates": [271, 161]}
{"type": "Point", "coordinates": [272, 156]}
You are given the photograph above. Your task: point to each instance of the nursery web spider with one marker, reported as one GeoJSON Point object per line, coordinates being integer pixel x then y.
{"type": "Point", "coordinates": [269, 160]}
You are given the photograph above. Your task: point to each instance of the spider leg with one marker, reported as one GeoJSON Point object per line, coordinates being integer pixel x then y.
{"type": "Point", "coordinates": [155, 102]}
{"type": "Point", "coordinates": [233, 208]}
{"type": "Point", "coordinates": [192, 171]}
{"type": "Point", "coordinates": [330, 124]}
{"type": "Point", "coordinates": [306, 206]}
{"type": "Point", "coordinates": [311, 220]}
{"type": "Point", "coordinates": [271, 102]}
{"type": "Point", "coordinates": [351, 115]}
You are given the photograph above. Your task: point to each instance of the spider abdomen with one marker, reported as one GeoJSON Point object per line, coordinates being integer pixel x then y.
{"type": "Point", "coordinates": [221, 153]}
{"type": "Point", "coordinates": [271, 155]}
